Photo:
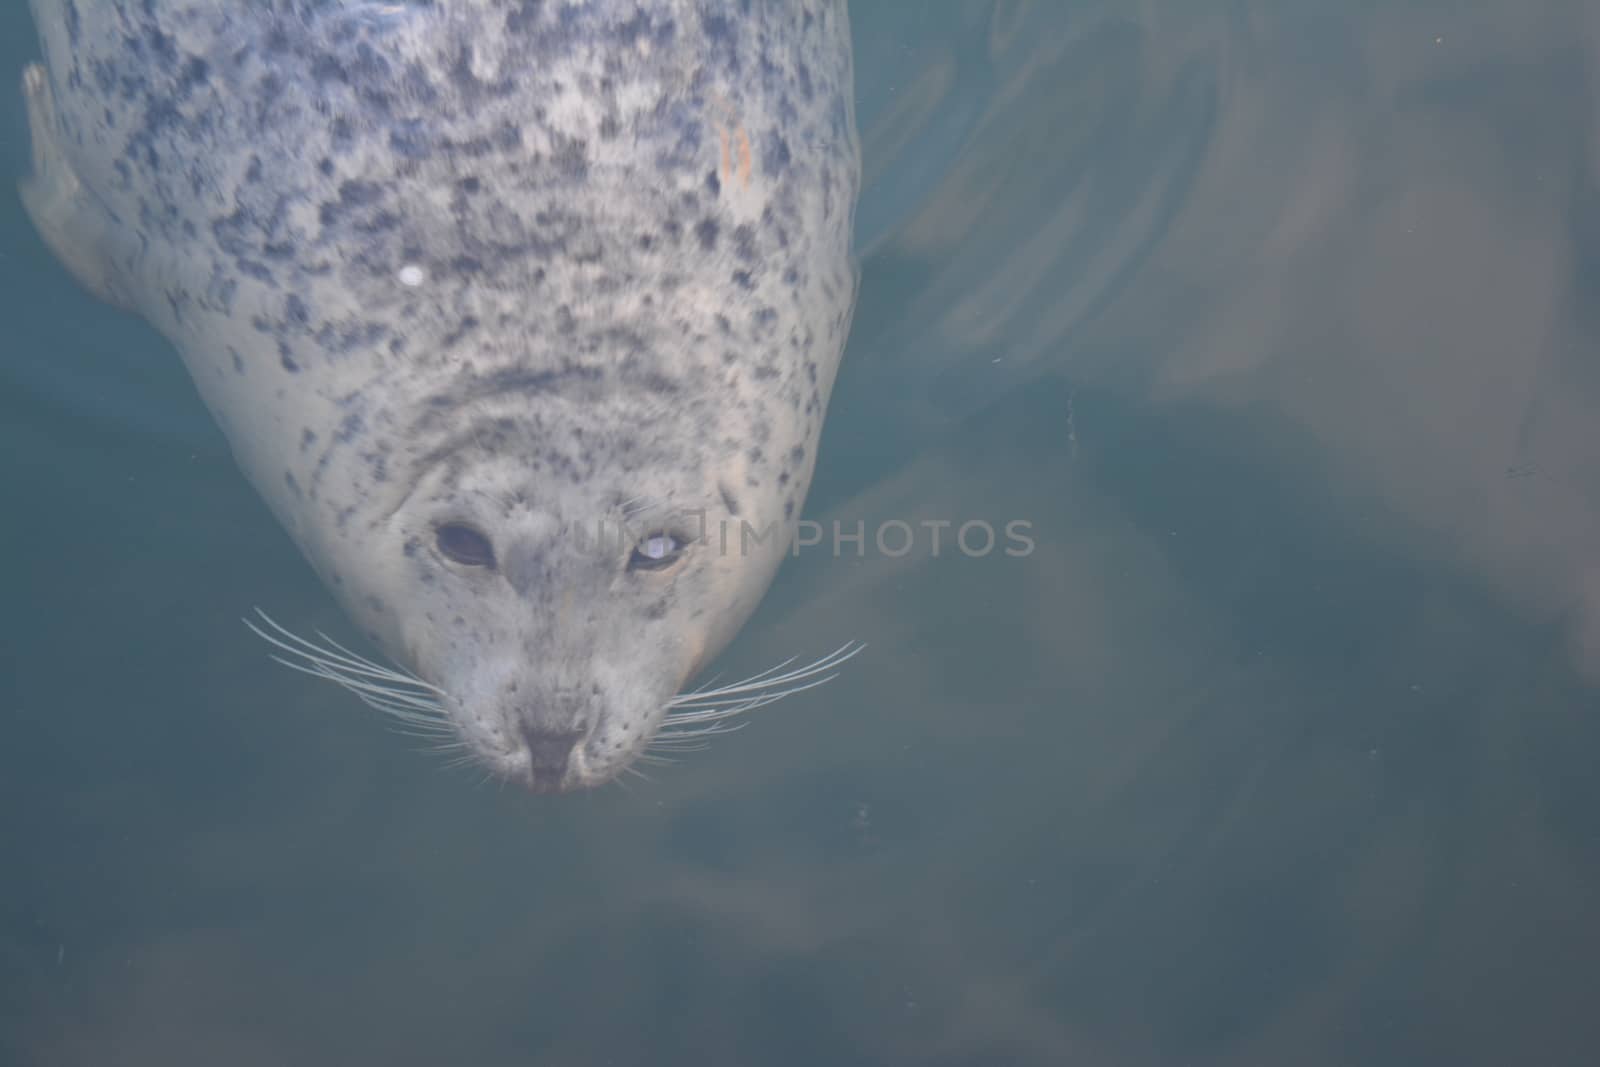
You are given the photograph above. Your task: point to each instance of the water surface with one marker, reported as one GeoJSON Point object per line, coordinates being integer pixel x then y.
{"type": "Point", "coordinates": [1273, 321]}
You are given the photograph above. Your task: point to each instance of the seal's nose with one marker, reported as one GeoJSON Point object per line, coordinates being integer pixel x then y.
{"type": "Point", "coordinates": [550, 751]}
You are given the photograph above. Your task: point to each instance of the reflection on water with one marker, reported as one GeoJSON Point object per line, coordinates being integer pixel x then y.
{"type": "Point", "coordinates": [1273, 321]}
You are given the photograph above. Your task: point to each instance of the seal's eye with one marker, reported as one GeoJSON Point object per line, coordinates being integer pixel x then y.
{"type": "Point", "coordinates": [656, 552]}
{"type": "Point", "coordinates": [461, 544]}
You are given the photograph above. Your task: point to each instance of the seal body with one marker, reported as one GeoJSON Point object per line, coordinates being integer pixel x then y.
{"type": "Point", "coordinates": [467, 283]}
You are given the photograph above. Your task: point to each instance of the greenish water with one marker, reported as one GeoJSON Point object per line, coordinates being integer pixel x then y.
{"type": "Point", "coordinates": [1276, 324]}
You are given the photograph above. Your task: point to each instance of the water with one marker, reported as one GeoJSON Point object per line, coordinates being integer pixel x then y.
{"type": "Point", "coordinates": [1274, 322]}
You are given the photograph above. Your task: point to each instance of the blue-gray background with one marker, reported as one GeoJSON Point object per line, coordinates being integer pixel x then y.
{"type": "Point", "coordinates": [1276, 320]}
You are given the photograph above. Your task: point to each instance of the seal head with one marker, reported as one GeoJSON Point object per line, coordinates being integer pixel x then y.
{"type": "Point", "coordinates": [522, 317]}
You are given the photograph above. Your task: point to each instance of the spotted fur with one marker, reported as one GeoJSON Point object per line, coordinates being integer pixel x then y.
{"type": "Point", "coordinates": [519, 264]}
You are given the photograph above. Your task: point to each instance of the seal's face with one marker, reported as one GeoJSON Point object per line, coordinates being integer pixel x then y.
{"type": "Point", "coordinates": [557, 620]}
{"type": "Point", "coordinates": [506, 310]}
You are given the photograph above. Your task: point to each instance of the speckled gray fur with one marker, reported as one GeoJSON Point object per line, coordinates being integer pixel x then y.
{"type": "Point", "coordinates": [523, 264]}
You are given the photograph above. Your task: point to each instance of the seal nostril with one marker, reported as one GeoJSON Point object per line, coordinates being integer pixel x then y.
{"type": "Point", "coordinates": [549, 751]}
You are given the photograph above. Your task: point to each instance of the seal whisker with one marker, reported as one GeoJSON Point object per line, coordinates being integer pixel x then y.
{"type": "Point", "coordinates": [439, 743]}
{"type": "Point", "coordinates": [666, 738]}
{"type": "Point", "coordinates": [377, 670]}
{"type": "Point", "coordinates": [707, 689]}
{"type": "Point", "coordinates": [386, 700]}
{"type": "Point", "coordinates": [427, 717]}
{"type": "Point", "coordinates": [469, 761]}
{"type": "Point", "coordinates": [398, 704]}
{"type": "Point", "coordinates": [679, 726]}
{"type": "Point", "coordinates": [347, 664]}
{"type": "Point", "coordinates": [687, 743]}
{"type": "Point", "coordinates": [720, 715]}
{"type": "Point", "coordinates": [767, 679]}
{"type": "Point", "coordinates": [708, 693]}
{"type": "Point", "coordinates": [364, 664]}
{"type": "Point", "coordinates": [294, 644]}
{"type": "Point", "coordinates": [694, 716]}
{"type": "Point", "coordinates": [741, 702]}
{"type": "Point", "coordinates": [454, 762]}
{"type": "Point", "coordinates": [421, 727]}
{"type": "Point", "coordinates": [772, 679]}
{"type": "Point", "coordinates": [692, 733]}
{"type": "Point", "coordinates": [397, 700]}
{"type": "Point", "coordinates": [439, 728]}
{"type": "Point", "coordinates": [405, 698]}
{"type": "Point", "coordinates": [711, 713]}
{"type": "Point", "coordinates": [342, 660]}
{"type": "Point", "coordinates": [434, 722]}
{"type": "Point", "coordinates": [415, 713]}
{"type": "Point", "coordinates": [431, 743]}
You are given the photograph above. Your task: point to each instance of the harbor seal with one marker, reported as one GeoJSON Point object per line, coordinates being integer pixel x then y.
{"type": "Point", "coordinates": [462, 279]}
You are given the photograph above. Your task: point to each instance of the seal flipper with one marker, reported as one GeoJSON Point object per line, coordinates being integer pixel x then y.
{"type": "Point", "coordinates": [70, 219]}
